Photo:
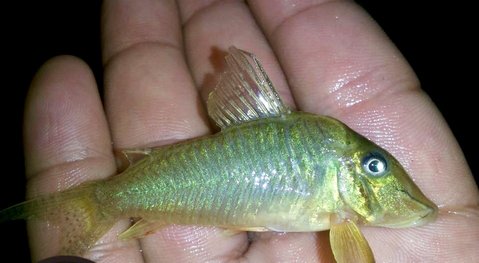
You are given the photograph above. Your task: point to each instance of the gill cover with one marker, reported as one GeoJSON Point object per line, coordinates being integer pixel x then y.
{"type": "Point", "coordinates": [355, 190]}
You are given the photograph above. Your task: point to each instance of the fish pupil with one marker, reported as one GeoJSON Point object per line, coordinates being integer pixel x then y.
{"type": "Point", "coordinates": [375, 165]}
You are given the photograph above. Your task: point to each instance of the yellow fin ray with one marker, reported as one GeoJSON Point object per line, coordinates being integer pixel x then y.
{"type": "Point", "coordinates": [141, 228]}
{"type": "Point", "coordinates": [348, 244]}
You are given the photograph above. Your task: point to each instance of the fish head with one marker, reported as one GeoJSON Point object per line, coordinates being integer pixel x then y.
{"type": "Point", "coordinates": [376, 188]}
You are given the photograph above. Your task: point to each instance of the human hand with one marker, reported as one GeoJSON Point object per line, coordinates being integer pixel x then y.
{"type": "Point", "coordinates": [337, 62]}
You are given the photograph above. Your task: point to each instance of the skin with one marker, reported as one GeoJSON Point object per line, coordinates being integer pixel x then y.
{"type": "Point", "coordinates": [159, 61]}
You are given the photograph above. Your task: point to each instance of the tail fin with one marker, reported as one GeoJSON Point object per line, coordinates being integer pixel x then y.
{"type": "Point", "coordinates": [76, 212]}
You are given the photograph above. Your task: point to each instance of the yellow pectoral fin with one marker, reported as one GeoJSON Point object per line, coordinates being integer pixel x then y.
{"type": "Point", "coordinates": [348, 244]}
{"type": "Point", "coordinates": [141, 228]}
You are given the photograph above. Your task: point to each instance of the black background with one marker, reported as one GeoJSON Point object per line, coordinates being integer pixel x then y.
{"type": "Point", "coordinates": [435, 38]}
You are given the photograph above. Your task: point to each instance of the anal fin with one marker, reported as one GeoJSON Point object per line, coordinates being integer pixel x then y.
{"type": "Point", "coordinates": [141, 228]}
{"type": "Point", "coordinates": [231, 231]}
{"type": "Point", "coordinates": [348, 243]}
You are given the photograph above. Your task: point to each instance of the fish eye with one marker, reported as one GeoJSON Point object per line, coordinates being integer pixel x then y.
{"type": "Point", "coordinates": [375, 164]}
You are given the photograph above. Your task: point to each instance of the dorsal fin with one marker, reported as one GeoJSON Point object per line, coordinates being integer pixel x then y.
{"type": "Point", "coordinates": [244, 92]}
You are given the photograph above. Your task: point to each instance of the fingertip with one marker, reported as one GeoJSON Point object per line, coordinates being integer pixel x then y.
{"type": "Point", "coordinates": [56, 73]}
{"type": "Point", "coordinates": [62, 106]}
{"type": "Point", "coordinates": [65, 64]}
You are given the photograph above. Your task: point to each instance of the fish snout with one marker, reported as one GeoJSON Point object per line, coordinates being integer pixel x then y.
{"type": "Point", "coordinates": [410, 211]}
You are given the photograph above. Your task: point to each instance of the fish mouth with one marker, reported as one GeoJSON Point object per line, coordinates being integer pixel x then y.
{"type": "Point", "coordinates": [416, 219]}
{"type": "Point", "coordinates": [417, 211]}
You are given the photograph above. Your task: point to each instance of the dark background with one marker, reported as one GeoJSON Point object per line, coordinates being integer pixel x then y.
{"type": "Point", "coordinates": [436, 39]}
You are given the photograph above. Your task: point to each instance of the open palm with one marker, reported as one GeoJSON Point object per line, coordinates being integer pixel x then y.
{"type": "Point", "coordinates": [326, 57]}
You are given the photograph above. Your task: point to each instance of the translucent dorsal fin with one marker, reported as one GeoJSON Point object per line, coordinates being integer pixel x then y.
{"type": "Point", "coordinates": [244, 92]}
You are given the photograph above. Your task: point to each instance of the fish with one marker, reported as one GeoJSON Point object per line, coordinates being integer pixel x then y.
{"type": "Point", "coordinates": [269, 168]}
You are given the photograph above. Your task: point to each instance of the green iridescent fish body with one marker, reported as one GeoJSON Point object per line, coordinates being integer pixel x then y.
{"type": "Point", "coordinates": [279, 173]}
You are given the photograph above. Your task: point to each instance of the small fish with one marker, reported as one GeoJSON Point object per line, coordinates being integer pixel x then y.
{"type": "Point", "coordinates": [268, 169]}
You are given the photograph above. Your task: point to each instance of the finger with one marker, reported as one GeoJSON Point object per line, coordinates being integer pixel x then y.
{"type": "Point", "coordinates": [66, 140]}
{"type": "Point", "coordinates": [345, 66]}
{"type": "Point", "coordinates": [291, 247]}
{"type": "Point", "coordinates": [206, 30]}
{"type": "Point", "coordinates": [429, 242]}
{"type": "Point", "coordinates": [149, 93]}
{"type": "Point", "coordinates": [151, 100]}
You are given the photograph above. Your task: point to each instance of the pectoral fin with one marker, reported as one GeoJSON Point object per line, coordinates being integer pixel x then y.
{"type": "Point", "coordinates": [141, 228]}
{"type": "Point", "coordinates": [348, 243]}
